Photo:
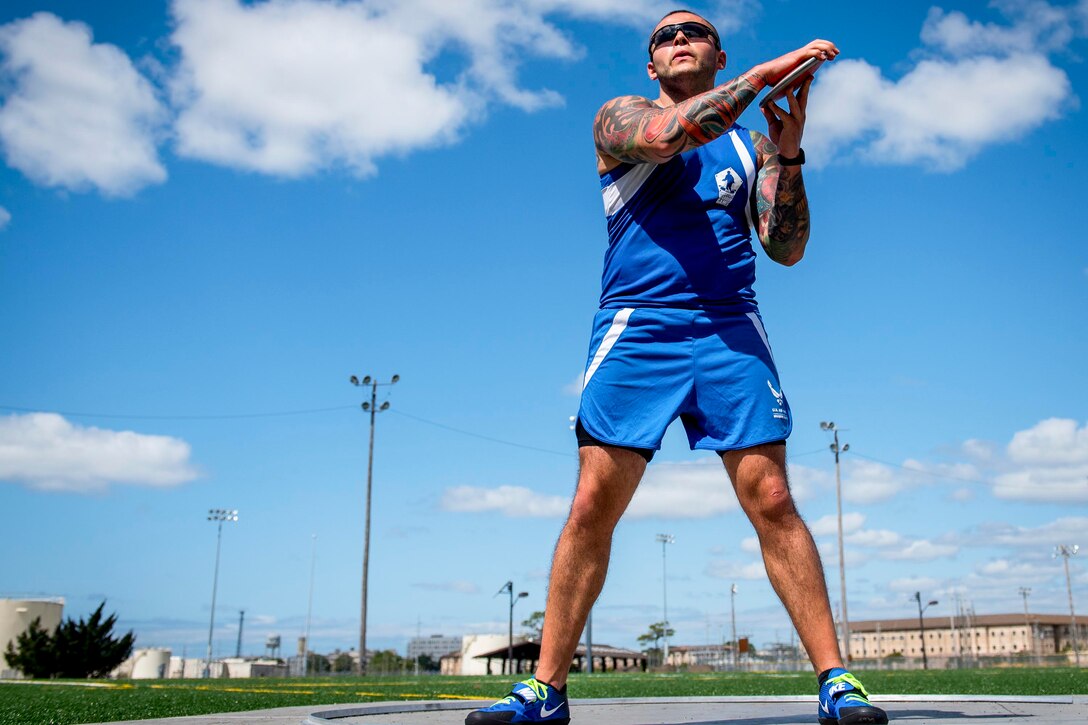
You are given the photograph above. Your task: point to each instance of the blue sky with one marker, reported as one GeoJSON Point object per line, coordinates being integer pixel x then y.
{"type": "Point", "coordinates": [210, 211]}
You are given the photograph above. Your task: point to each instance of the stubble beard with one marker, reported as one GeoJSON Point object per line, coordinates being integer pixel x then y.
{"type": "Point", "coordinates": [683, 83]}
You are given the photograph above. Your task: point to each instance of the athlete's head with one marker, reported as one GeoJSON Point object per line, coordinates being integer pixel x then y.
{"type": "Point", "coordinates": [685, 52]}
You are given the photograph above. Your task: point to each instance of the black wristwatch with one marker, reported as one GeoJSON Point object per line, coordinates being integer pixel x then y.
{"type": "Point", "coordinates": [797, 160]}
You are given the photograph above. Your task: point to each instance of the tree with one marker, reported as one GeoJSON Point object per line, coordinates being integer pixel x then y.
{"type": "Point", "coordinates": [343, 663]}
{"type": "Point", "coordinates": [427, 664]}
{"type": "Point", "coordinates": [657, 631]}
{"type": "Point", "coordinates": [32, 651]}
{"type": "Point", "coordinates": [77, 650]}
{"type": "Point", "coordinates": [386, 661]}
{"type": "Point", "coordinates": [316, 664]}
{"type": "Point", "coordinates": [534, 625]}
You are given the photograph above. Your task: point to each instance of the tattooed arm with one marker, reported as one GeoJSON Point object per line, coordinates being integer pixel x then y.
{"type": "Point", "coordinates": [635, 130]}
{"type": "Point", "coordinates": [780, 206]}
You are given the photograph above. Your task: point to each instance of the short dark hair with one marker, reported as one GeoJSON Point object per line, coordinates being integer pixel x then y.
{"type": "Point", "coordinates": [690, 12]}
{"type": "Point", "coordinates": [717, 35]}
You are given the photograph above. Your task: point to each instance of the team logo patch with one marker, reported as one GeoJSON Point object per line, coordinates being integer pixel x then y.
{"type": "Point", "coordinates": [729, 183]}
{"type": "Point", "coordinates": [779, 409]}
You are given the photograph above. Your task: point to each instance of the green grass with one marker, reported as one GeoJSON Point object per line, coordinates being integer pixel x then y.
{"type": "Point", "coordinates": [68, 704]}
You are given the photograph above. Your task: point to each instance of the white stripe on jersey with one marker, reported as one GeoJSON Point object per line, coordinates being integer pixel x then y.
{"type": "Point", "coordinates": [749, 171]}
{"type": "Point", "coordinates": [619, 191]}
{"type": "Point", "coordinates": [619, 324]}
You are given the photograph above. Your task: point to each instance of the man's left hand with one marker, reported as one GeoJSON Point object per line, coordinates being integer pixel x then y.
{"type": "Point", "coordinates": [785, 127]}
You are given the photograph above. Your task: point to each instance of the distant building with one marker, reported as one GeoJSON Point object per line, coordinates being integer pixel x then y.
{"type": "Point", "coordinates": [15, 618]}
{"type": "Point", "coordinates": [487, 654]}
{"type": "Point", "coordinates": [192, 668]}
{"type": "Point", "coordinates": [964, 637]}
{"type": "Point", "coordinates": [435, 646]}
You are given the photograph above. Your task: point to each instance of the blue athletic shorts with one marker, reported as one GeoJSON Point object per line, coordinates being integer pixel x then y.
{"type": "Point", "coordinates": [713, 370]}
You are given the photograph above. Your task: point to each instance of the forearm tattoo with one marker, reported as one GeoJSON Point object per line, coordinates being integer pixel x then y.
{"type": "Point", "coordinates": [634, 130]}
{"type": "Point", "coordinates": [781, 206]}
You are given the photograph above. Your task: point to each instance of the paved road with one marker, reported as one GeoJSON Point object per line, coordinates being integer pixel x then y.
{"type": "Point", "coordinates": [909, 710]}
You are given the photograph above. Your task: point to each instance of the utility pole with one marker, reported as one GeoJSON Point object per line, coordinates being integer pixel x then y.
{"type": "Point", "coordinates": [310, 604]}
{"type": "Point", "coordinates": [241, 622]}
{"type": "Point", "coordinates": [665, 540]}
{"type": "Point", "coordinates": [1066, 551]}
{"type": "Point", "coordinates": [373, 409]}
{"type": "Point", "coordinates": [733, 619]}
{"type": "Point", "coordinates": [1024, 592]}
{"type": "Point", "coordinates": [218, 516]}
{"type": "Point", "coordinates": [842, 559]}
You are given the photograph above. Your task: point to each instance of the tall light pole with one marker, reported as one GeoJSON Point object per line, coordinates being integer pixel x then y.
{"type": "Point", "coordinates": [922, 625]}
{"type": "Point", "coordinates": [1065, 551]}
{"type": "Point", "coordinates": [509, 587]}
{"type": "Point", "coordinates": [665, 540]}
{"type": "Point", "coordinates": [373, 408]}
{"type": "Point", "coordinates": [733, 618]}
{"type": "Point", "coordinates": [218, 516]}
{"type": "Point", "coordinates": [309, 604]}
{"type": "Point", "coordinates": [842, 559]}
{"type": "Point", "coordinates": [1024, 592]}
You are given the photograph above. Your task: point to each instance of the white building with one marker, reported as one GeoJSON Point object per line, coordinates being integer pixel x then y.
{"type": "Point", "coordinates": [435, 646]}
{"type": "Point", "coordinates": [15, 618]}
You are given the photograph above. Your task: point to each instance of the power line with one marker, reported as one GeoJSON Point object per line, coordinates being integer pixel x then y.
{"type": "Point", "coordinates": [223, 416]}
{"type": "Point", "coordinates": [482, 437]}
{"type": "Point", "coordinates": [920, 470]}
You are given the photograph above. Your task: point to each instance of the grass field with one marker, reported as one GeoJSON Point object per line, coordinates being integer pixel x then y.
{"type": "Point", "coordinates": [68, 702]}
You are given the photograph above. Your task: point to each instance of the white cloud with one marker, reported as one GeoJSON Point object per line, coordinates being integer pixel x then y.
{"type": "Point", "coordinates": [916, 583]}
{"type": "Point", "coordinates": [46, 452]}
{"type": "Point", "coordinates": [686, 490]}
{"type": "Point", "coordinates": [1051, 462]}
{"type": "Point", "coordinates": [5, 217]}
{"type": "Point", "coordinates": [512, 501]}
{"type": "Point", "coordinates": [76, 114]}
{"type": "Point", "coordinates": [921, 550]}
{"type": "Point", "coordinates": [955, 101]}
{"type": "Point", "coordinates": [867, 482]}
{"type": "Point", "coordinates": [288, 87]}
{"type": "Point", "coordinates": [875, 539]}
{"type": "Point", "coordinates": [751, 545]}
{"type": "Point", "coordinates": [1044, 537]}
{"type": "Point", "coordinates": [829, 525]}
{"type": "Point", "coordinates": [458, 586]}
{"type": "Point", "coordinates": [752, 571]}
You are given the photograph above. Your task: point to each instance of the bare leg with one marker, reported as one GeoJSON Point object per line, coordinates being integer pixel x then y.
{"type": "Point", "coordinates": [789, 553]}
{"type": "Point", "coordinates": [607, 480]}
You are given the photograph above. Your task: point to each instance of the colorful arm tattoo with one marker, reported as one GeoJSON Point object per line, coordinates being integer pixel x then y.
{"type": "Point", "coordinates": [634, 130]}
{"type": "Point", "coordinates": [781, 205]}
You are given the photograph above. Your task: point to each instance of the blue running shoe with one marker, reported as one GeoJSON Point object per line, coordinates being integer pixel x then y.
{"type": "Point", "coordinates": [843, 701]}
{"type": "Point", "coordinates": [528, 701]}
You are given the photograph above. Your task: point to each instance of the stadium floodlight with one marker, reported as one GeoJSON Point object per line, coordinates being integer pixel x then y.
{"type": "Point", "coordinates": [922, 625]}
{"type": "Point", "coordinates": [835, 449]}
{"type": "Point", "coordinates": [1065, 551]}
{"type": "Point", "coordinates": [372, 408]}
{"type": "Point", "coordinates": [218, 516]}
{"type": "Point", "coordinates": [665, 540]}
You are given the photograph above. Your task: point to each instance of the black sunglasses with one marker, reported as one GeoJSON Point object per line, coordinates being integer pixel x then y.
{"type": "Point", "coordinates": [691, 30]}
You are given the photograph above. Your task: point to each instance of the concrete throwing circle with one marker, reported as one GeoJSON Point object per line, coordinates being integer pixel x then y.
{"type": "Point", "coordinates": [913, 709]}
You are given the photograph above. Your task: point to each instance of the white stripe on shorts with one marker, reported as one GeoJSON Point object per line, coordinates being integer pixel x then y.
{"type": "Point", "coordinates": [619, 324]}
{"type": "Point", "coordinates": [762, 333]}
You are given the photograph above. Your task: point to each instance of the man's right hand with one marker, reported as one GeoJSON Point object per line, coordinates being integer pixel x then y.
{"type": "Point", "coordinates": [775, 70]}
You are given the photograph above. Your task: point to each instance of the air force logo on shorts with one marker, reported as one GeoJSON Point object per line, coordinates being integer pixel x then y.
{"type": "Point", "coordinates": [729, 183]}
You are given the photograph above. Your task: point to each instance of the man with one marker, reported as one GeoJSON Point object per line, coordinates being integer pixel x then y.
{"type": "Point", "coordinates": [679, 335]}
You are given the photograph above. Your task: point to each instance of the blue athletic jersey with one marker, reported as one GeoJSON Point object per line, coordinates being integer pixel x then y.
{"type": "Point", "coordinates": [679, 233]}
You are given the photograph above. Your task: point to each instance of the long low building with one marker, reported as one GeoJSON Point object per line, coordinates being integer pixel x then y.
{"type": "Point", "coordinates": [986, 635]}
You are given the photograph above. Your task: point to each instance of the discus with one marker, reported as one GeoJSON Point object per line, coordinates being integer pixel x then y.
{"type": "Point", "coordinates": [791, 80]}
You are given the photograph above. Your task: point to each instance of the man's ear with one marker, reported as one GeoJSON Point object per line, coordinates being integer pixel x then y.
{"type": "Point", "coordinates": [651, 71]}
{"type": "Point", "coordinates": [721, 60]}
